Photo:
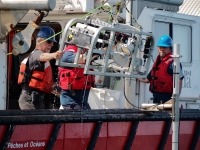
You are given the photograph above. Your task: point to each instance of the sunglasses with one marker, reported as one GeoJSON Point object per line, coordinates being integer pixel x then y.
{"type": "Point", "coordinates": [161, 47]}
{"type": "Point", "coordinates": [49, 42]}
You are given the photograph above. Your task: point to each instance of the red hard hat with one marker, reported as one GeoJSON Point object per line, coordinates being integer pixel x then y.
{"type": "Point", "coordinates": [71, 48]}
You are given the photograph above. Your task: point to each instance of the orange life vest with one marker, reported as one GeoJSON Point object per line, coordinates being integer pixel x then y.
{"type": "Point", "coordinates": [40, 80]}
{"type": "Point", "coordinates": [161, 80]}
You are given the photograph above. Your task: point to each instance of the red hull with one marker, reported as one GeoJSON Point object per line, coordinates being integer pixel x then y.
{"type": "Point", "coordinates": [112, 136]}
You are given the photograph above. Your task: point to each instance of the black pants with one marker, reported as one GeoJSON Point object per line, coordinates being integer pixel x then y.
{"type": "Point", "coordinates": [160, 98]}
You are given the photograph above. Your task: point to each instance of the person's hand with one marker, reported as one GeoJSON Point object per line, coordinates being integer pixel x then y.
{"type": "Point", "coordinates": [95, 57]}
{"type": "Point", "coordinates": [58, 54]}
{"type": "Point", "coordinates": [144, 80]}
{"type": "Point", "coordinates": [56, 90]}
{"type": "Point", "coordinates": [83, 51]}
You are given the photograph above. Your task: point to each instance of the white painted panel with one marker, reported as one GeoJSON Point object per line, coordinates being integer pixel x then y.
{"type": "Point", "coordinates": [185, 32]}
{"type": "Point", "coordinates": [78, 5]}
{"type": "Point", "coordinates": [182, 34]}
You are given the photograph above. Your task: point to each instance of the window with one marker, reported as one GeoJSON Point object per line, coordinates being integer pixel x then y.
{"type": "Point", "coordinates": [181, 34]}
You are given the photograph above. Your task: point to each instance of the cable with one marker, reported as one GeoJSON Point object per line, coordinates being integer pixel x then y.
{"type": "Point", "coordinates": [127, 98]}
{"type": "Point", "coordinates": [133, 104]}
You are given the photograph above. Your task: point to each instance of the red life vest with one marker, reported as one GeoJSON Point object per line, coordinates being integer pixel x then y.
{"type": "Point", "coordinates": [161, 80]}
{"type": "Point", "coordinates": [74, 78]}
{"type": "Point", "coordinates": [40, 80]}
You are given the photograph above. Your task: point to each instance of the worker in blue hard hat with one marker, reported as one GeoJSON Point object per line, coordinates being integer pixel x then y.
{"type": "Point", "coordinates": [35, 75]}
{"type": "Point", "coordinates": [161, 74]}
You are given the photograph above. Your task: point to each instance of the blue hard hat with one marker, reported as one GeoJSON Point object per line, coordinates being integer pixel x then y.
{"type": "Point", "coordinates": [47, 32]}
{"type": "Point", "coordinates": [165, 41]}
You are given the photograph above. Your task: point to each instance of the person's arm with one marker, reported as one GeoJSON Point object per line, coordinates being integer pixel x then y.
{"type": "Point", "coordinates": [143, 80]}
{"type": "Point", "coordinates": [181, 76]}
{"type": "Point", "coordinates": [181, 79]}
{"type": "Point", "coordinates": [49, 56]}
{"type": "Point", "coordinates": [180, 85]}
{"type": "Point", "coordinates": [81, 59]}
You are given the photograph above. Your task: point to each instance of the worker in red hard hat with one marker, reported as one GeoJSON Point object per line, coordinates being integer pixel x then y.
{"type": "Point", "coordinates": [161, 74]}
{"type": "Point", "coordinates": [35, 75]}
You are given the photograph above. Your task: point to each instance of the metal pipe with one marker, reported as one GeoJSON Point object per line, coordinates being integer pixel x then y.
{"type": "Point", "coordinates": [27, 4]}
{"type": "Point", "coordinates": [129, 13]}
{"type": "Point", "coordinates": [175, 97]}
